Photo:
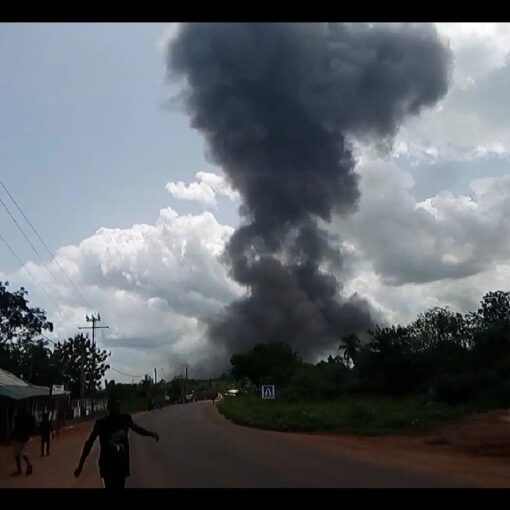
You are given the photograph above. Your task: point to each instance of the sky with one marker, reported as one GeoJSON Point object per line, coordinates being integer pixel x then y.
{"type": "Point", "coordinates": [119, 186]}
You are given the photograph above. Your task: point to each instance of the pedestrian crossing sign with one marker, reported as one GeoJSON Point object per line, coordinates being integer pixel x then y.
{"type": "Point", "coordinates": [268, 391]}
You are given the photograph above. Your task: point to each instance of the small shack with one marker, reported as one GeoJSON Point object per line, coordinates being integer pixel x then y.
{"type": "Point", "coordinates": [38, 399]}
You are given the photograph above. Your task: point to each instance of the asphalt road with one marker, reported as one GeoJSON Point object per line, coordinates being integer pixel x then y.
{"type": "Point", "coordinates": [200, 448]}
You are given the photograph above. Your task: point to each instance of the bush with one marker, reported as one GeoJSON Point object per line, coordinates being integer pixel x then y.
{"type": "Point", "coordinates": [494, 392]}
{"type": "Point", "coordinates": [316, 382]}
{"type": "Point", "coordinates": [273, 363]}
{"type": "Point", "coordinates": [361, 415]}
{"type": "Point", "coordinates": [456, 389]}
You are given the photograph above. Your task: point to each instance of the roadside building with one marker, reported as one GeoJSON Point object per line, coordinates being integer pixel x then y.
{"type": "Point", "coordinates": [37, 398]}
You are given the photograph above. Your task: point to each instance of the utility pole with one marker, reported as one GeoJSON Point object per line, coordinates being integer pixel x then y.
{"type": "Point", "coordinates": [82, 379]}
{"type": "Point", "coordinates": [93, 328]}
{"type": "Point", "coordinates": [185, 384]}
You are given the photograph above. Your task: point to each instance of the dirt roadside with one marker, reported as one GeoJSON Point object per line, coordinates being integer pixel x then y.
{"type": "Point", "coordinates": [475, 449]}
{"type": "Point", "coordinates": [55, 471]}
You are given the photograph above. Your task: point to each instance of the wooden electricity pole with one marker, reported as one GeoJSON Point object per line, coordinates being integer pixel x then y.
{"type": "Point", "coordinates": [93, 328]}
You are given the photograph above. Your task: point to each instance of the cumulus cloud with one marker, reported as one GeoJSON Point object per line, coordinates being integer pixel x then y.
{"type": "Point", "coordinates": [478, 47]}
{"type": "Point", "coordinates": [472, 119]}
{"type": "Point", "coordinates": [206, 189]}
{"type": "Point", "coordinates": [401, 304]}
{"type": "Point", "coordinates": [446, 236]}
{"type": "Point", "coordinates": [154, 285]}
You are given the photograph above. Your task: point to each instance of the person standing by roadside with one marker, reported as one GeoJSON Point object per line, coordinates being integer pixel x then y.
{"type": "Point", "coordinates": [45, 430]}
{"type": "Point", "coordinates": [23, 427]}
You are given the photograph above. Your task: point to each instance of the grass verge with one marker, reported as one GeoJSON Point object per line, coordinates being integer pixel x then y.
{"type": "Point", "coordinates": [367, 416]}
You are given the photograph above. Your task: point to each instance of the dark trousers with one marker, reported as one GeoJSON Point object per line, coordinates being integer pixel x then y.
{"type": "Point", "coordinates": [114, 482]}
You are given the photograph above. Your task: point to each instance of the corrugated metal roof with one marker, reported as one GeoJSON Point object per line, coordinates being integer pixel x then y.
{"type": "Point", "coordinates": [17, 389]}
{"type": "Point", "coordinates": [6, 378]}
{"type": "Point", "coordinates": [19, 392]}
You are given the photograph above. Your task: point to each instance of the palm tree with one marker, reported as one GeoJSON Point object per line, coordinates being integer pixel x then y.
{"type": "Point", "coordinates": [350, 345]}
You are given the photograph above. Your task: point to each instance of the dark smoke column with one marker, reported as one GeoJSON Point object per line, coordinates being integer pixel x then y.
{"type": "Point", "coordinates": [275, 103]}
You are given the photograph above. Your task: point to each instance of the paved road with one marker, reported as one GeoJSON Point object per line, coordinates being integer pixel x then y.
{"type": "Point", "coordinates": [200, 448]}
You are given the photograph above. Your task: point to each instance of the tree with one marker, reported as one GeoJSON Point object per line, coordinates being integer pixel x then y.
{"type": "Point", "coordinates": [272, 363]}
{"type": "Point", "coordinates": [350, 345]}
{"type": "Point", "coordinates": [174, 389]}
{"type": "Point", "coordinates": [68, 356]}
{"type": "Point", "coordinates": [389, 341]}
{"type": "Point", "coordinates": [494, 308]}
{"type": "Point", "coordinates": [437, 326]}
{"type": "Point", "coordinates": [324, 380]}
{"type": "Point", "coordinates": [490, 326]}
{"type": "Point", "coordinates": [19, 325]}
{"type": "Point", "coordinates": [17, 319]}
{"type": "Point", "coordinates": [33, 360]}
{"type": "Point", "coordinates": [385, 364]}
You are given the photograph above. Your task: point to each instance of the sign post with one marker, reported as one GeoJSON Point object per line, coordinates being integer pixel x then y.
{"type": "Point", "coordinates": [268, 391]}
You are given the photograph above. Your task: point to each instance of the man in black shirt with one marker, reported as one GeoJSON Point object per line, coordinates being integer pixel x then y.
{"type": "Point", "coordinates": [113, 438]}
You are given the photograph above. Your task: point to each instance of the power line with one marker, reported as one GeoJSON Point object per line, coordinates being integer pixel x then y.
{"type": "Point", "coordinates": [28, 240]}
{"type": "Point", "coordinates": [42, 260]}
{"type": "Point", "coordinates": [45, 245]}
{"type": "Point", "coordinates": [51, 254]}
{"type": "Point", "coordinates": [30, 274]}
{"type": "Point", "coordinates": [111, 368]}
{"type": "Point", "coordinates": [127, 375]}
{"type": "Point", "coordinates": [49, 339]}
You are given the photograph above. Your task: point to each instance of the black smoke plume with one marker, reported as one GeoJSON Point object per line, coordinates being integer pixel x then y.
{"type": "Point", "coordinates": [275, 103]}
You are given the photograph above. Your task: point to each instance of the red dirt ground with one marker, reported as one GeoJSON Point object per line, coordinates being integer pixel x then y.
{"type": "Point", "coordinates": [475, 448]}
{"type": "Point", "coordinates": [57, 470]}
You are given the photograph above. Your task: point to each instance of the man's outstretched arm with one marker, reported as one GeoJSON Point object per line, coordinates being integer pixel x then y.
{"type": "Point", "coordinates": [143, 432]}
{"type": "Point", "coordinates": [86, 450]}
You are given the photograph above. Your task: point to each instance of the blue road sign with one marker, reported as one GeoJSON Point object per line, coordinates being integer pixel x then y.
{"type": "Point", "coordinates": [268, 391]}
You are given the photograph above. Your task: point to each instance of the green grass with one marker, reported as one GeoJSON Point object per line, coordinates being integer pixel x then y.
{"type": "Point", "coordinates": [368, 416]}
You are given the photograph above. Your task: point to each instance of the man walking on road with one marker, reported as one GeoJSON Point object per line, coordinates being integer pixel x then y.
{"type": "Point", "coordinates": [113, 438]}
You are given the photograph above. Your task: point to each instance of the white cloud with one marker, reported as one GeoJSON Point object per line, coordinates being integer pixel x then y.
{"type": "Point", "coordinates": [409, 255]}
{"type": "Point", "coordinates": [401, 304]}
{"type": "Point", "coordinates": [206, 189]}
{"type": "Point", "coordinates": [478, 47]}
{"type": "Point", "coordinates": [445, 236]}
{"type": "Point", "coordinates": [152, 284]}
{"type": "Point", "coordinates": [472, 118]}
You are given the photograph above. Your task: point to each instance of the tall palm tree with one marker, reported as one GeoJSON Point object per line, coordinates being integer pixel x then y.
{"type": "Point", "coordinates": [350, 345]}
